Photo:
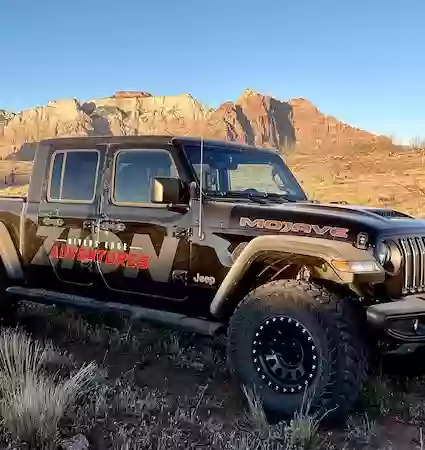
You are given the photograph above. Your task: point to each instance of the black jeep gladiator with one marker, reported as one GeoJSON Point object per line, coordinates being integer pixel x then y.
{"type": "Point", "coordinates": [209, 235]}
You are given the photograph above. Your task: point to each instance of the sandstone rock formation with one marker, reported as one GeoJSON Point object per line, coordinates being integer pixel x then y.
{"type": "Point", "coordinates": [58, 118]}
{"type": "Point", "coordinates": [253, 118]}
{"type": "Point", "coordinates": [130, 94]}
{"type": "Point", "coordinates": [5, 118]}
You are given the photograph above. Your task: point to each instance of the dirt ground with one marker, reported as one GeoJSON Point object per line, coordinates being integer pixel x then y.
{"type": "Point", "coordinates": [363, 175]}
{"type": "Point", "coordinates": [162, 389]}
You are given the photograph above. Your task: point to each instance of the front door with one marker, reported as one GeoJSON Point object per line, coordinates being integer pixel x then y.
{"type": "Point", "coordinates": [147, 246]}
{"type": "Point", "coordinates": [67, 212]}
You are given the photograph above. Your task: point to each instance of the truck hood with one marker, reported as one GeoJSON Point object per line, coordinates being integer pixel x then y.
{"type": "Point", "coordinates": [344, 221]}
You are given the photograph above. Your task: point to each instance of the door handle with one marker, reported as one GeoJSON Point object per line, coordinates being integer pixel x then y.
{"type": "Point", "coordinates": [112, 225]}
{"type": "Point", "coordinates": [50, 220]}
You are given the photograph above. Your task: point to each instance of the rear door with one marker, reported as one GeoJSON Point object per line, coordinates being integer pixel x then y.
{"type": "Point", "coordinates": [67, 214]}
{"type": "Point", "coordinates": [148, 248]}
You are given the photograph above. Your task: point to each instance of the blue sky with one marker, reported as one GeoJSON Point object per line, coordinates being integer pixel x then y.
{"type": "Point", "coordinates": [360, 61]}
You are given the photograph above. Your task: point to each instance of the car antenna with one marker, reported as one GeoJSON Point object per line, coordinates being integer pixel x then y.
{"type": "Point", "coordinates": [201, 191]}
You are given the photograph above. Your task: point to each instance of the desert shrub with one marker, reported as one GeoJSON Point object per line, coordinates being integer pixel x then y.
{"type": "Point", "coordinates": [32, 401]}
{"type": "Point", "coordinates": [300, 433]}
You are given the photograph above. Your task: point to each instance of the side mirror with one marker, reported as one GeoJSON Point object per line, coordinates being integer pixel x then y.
{"type": "Point", "coordinates": [166, 190]}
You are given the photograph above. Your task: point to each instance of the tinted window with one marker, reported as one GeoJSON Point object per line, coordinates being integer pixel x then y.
{"type": "Point", "coordinates": [135, 170]}
{"type": "Point", "coordinates": [74, 176]}
{"type": "Point", "coordinates": [55, 180]}
{"type": "Point", "coordinates": [247, 175]}
{"type": "Point", "coordinates": [229, 169]}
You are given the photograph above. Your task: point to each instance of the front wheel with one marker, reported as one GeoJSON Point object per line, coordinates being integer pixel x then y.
{"type": "Point", "coordinates": [295, 342]}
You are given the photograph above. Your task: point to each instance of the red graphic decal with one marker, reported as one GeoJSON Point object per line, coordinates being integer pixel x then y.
{"type": "Point", "coordinates": [91, 254]}
{"type": "Point", "coordinates": [115, 258]}
{"type": "Point", "coordinates": [54, 252]}
{"type": "Point", "coordinates": [121, 259]}
{"type": "Point", "coordinates": [110, 258]}
{"type": "Point", "coordinates": [132, 260]}
{"type": "Point", "coordinates": [81, 254]}
{"type": "Point", "coordinates": [143, 262]}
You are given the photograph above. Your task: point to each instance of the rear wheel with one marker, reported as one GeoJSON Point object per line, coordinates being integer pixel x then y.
{"type": "Point", "coordinates": [292, 340]}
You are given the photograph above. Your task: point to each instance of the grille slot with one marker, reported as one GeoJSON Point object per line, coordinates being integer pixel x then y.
{"type": "Point", "coordinates": [413, 255]}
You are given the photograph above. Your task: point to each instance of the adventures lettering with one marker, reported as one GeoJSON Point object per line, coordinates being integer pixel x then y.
{"type": "Point", "coordinates": [108, 250]}
{"type": "Point", "coordinates": [84, 255]}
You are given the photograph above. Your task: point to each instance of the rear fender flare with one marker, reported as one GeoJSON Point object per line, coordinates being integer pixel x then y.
{"type": "Point", "coordinates": [9, 255]}
{"type": "Point", "coordinates": [318, 249]}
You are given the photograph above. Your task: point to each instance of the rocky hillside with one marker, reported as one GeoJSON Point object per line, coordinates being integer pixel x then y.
{"type": "Point", "coordinates": [253, 118]}
{"type": "Point", "coordinates": [332, 160]}
{"type": "Point", "coordinates": [5, 117]}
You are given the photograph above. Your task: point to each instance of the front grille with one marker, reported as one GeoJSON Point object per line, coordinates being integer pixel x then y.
{"type": "Point", "coordinates": [413, 257]}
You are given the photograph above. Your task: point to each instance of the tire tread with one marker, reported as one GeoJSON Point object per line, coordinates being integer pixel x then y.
{"type": "Point", "coordinates": [343, 335]}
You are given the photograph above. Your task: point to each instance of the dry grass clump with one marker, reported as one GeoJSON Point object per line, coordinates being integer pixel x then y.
{"type": "Point", "coordinates": [301, 433]}
{"type": "Point", "coordinates": [32, 402]}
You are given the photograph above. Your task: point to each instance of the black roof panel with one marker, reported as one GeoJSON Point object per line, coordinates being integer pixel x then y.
{"type": "Point", "coordinates": [82, 142]}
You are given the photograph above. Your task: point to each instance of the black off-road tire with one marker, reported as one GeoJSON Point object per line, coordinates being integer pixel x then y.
{"type": "Point", "coordinates": [334, 367]}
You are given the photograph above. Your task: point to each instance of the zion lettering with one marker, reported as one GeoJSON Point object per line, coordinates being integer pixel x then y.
{"type": "Point", "coordinates": [141, 252]}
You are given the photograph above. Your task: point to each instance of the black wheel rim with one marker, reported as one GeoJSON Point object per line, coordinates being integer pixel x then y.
{"type": "Point", "coordinates": [285, 354]}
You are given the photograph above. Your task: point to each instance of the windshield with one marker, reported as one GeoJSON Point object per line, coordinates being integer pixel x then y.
{"type": "Point", "coordinates": [229, 170]}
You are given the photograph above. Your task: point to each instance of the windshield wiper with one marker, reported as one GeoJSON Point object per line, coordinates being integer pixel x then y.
{"type": "Point", "coordinates": [259, 197]}
{"type": "Point", "coordinates": [248, 195]}
{"type": "Point", "coordinates": [283, 198]}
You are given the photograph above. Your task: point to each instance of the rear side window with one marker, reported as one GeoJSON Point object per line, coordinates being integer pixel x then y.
{"type": "Point", "coordinates": [73, 176]}
{"type": "Point", "coordinates": [134, 171]}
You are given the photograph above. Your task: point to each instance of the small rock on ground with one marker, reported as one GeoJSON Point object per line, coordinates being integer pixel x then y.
{"type": "Point", "coordinates": [78, 442]}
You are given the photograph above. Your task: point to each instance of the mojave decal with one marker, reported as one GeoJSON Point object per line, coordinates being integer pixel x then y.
{"type": "Point", "coordinates": [294, 227]}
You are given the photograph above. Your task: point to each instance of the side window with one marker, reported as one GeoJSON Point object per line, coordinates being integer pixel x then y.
{"type": "Point", "coordinates": [73, 176]}
{"type": "Point", "coordinates": [134, 172]}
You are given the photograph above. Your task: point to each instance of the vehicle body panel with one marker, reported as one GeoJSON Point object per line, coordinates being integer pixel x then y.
{"type": "Point", "coordinates": [185, 263]}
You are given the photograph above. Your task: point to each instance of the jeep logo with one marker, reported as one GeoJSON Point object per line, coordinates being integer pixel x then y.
{"type": "Point", "coordinates": [203, 279]}
{"type": "Point", "coordinates": [287, 227]}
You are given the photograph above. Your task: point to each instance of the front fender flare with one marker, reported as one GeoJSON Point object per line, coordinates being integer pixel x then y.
{"type": "Point", "coordinates": [324, 250]}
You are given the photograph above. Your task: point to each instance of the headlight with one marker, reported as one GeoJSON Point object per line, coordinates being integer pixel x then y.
{"type": "Point", "coordinates": [395, 259]}
{"type": "Point", "coordinates": [389, 257]}
{"type": "Point", "coordinates": [356, 266]}
{"type": "Point", "coordinates": [383, 253]}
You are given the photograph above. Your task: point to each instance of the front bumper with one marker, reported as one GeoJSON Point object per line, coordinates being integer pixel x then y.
{"type": "Point", "coordinates": [403, 320]}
